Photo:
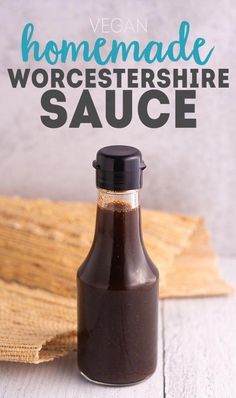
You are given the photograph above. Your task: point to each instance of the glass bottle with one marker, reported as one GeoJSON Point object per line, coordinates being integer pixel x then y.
{"type": "Point", "coordinates": [117, 283]}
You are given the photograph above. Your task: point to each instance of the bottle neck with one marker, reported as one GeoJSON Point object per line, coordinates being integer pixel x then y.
{"type": "Point", "coordinates": [118, 201]}
{"type": "Point", "coordinates": [118, 217]}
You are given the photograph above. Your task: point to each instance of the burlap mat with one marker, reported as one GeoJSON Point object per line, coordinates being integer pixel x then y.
{"type": "Point", "coordinates": [42, 244]}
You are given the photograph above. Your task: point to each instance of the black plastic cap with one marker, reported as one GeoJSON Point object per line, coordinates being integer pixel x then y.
{"type": "Point", "coordinates": [119, 168]}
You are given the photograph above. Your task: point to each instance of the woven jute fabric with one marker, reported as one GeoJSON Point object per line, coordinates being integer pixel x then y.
{"type": "Point", "coordinates": [42, 244]}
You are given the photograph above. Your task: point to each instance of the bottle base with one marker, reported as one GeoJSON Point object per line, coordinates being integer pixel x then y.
{"type": "Point", "coordinates": [113, 384]}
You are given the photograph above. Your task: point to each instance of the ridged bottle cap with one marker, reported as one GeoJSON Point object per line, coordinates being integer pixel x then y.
{"type": "Point", "coordinates": [119, 168]}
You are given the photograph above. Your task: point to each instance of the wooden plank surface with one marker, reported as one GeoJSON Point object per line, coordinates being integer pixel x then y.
{"type": "Point", "coordinates": [200, 345]}
{"type": "Point", "coordinates": [199, 352]}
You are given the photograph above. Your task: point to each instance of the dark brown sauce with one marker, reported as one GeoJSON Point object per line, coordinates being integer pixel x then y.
{"type": "Point", "coordinates": [117, 296]}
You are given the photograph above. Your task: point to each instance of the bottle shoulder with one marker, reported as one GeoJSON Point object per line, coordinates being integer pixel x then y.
{"type": "Point", "coordinates": [129, 273]}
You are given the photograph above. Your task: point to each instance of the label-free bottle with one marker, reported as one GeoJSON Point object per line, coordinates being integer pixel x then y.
{"type": "Point", "coordinates": [117, 283]}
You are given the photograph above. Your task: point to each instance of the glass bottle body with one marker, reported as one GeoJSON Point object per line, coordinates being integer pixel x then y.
{"type": "Point", "coordinates": [117, 296]}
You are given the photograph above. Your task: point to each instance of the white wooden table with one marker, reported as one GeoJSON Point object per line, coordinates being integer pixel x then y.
{"type": "Point", "coordinates": [197, 358]}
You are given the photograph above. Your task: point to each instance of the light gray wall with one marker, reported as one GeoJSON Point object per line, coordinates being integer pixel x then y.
{"type": "Point", "coordinates": [189, 170]}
